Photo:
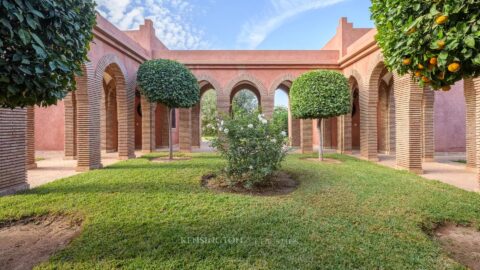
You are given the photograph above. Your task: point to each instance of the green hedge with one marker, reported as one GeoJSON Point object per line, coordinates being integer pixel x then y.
{"type": "Point", "coordinates": [438, 42]}
{"type": "Point", "coordinates": [42, 46]}
{"type": "Point", "coordinates": [320, 94]}
{"type": "Point", "coordinates": [168, 82]}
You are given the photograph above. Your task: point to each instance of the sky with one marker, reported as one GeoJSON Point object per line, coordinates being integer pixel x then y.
{"type": "Point", "coordinates": [239, 24]}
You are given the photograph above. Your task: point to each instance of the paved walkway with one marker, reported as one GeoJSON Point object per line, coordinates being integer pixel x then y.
{"type": "Point", "coordinates": [443, 169]}
{"type": "Point", "coordinates": [52, 166]}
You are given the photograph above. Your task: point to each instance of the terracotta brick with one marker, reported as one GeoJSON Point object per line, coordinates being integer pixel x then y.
{"type": "Point", "coordinates": [148, 126]}
{"type": "Point", "coordinates": [30, 161]}
{"type": "Point", "coordinates": [306, 136]}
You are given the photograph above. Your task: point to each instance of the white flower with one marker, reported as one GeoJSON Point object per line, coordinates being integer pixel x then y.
{"type": "Point", "coordinates": [220, 129]}
{"type": "Point", "coordinates": [250, 126]}
{"type": "Point", "coordinates": [264, 121]}
{"type": "Point", "coordinates": [226, 131]}
{"type": "Point", "coordinates": [251, 167]}
{"type": "Point", "coordinates": [273, 141]}
{"type": "Point", "coordinates": [221, 123]}
{"type": "Point", "coordinates": [283, 133]}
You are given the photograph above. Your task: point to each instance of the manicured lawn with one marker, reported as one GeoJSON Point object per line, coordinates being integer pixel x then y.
{"type": "Point", "coordinates": [139, 214]}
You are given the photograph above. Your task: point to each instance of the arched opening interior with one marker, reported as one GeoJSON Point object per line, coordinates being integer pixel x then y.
{"type": "Point", "coordinates": [204, 115]}
{"type": "Point", "coordinates": [386, 114]}
{"type": "Point", "coordinates": [282, 113]}
{"type": "Point", "coordinates": [245, 97]}
{"type": "Point", "coordinates": [109, 112]}
{"type": "Point", "coordinates": [355, 114]}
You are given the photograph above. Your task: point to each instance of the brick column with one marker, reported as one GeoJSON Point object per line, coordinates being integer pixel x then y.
{"type": "Point", "coordinates": [428, 137]}
{"type": "Point", "coordinates": [327, 133]}
{"type": "Point", "coordinates": [409, 123]}
{"type": "Point", "coordinates": [223, 104]}
{"type": "Point", "coordinates": [475, 84]}
{"type": "Point", "coordinates": [344, 134]}
{"type": "Point", "coordinates": [70, 147]}
{"type": "Point", "coordinates": [471, 131]}
{"type": "Point", "coordinates": [148, 126]}
{"type": "Point", "coordinates": [196, 123]}
{"type": "Point", "coordinates": [267, 104]}
{"type": "Point", "coordinates": [185, 133]}
{"type": "Point", "coordinates": [13, 124]}
{"type": "Point", "coordinates": [368, 97]}
{"type": "Point", "coordinates": [111, 135]}
{"type": "Point", "coordinates": [294, 131]}
{"type": "Point", "coordinates": [30, 160]}
{"type": "Point", "coordinates": [306, 136]}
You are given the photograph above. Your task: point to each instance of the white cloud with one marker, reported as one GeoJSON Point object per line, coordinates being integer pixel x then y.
{"type": "Point", "coordinates": [254, 32]}
{"type": "Point", "coordinates": [170, 18]}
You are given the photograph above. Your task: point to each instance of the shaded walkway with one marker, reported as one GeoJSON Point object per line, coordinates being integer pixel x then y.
{"type": "Point", "coordinates": [52, 166]}
{"type": "Point", "coordinates": [443, 169]}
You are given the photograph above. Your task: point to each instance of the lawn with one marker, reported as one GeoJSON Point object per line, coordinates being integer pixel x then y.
{"type": "Point", "coordinates": [139, 214]}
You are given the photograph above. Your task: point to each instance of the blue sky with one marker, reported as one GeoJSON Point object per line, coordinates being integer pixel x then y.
{"type": "Point", "coordinates": [239, 24]}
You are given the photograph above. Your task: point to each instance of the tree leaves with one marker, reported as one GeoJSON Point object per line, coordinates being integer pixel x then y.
{"type": "Point", "coordinates": [42, 47]}
{"type": "Point", "coordinates": [447, 30]}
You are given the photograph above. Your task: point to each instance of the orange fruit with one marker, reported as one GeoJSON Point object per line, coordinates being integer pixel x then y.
{"type": "Point", "coordinates": [454, 67]}
{"type": "Point", "coordinates": [446, 88]}
{"type": "Point", "coordinates": [407, 61]}
{"type": "Point", "coordinates": [418, 74]}
{"type": "Point", "coordinates": [420, 66]}
{"type": "Point", "coordinates": [433, 61]}
{"type": "Point", "coordinates": [441, 44]}
{"type": "Point", "coordinates": [441, 19]}
{"type": "Point", "coordinates": [425, 79]}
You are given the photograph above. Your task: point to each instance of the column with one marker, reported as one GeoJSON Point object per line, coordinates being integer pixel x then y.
{"type": "Point", "coordinates": [471, 111]}
{"type": "Point", "coordinates": [344, 134]}
{"type": "Point", "coordinates": [428, 137]}
{"type": "Point", "coordinates": [30, 161]}
{"type": "Point", "coordinates": [185, 133]}
{"type": "Point", "coordinates": [306, 136]}
{"type": "Point", "coordinates": [409, 123]}
{"type": "Point", "coordinates": [148, 126]}
{"type": "Point", "coordinates": [70, 148]}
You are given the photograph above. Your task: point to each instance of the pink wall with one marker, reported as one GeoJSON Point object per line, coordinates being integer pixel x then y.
{"type": "Point", "coordinates": [50, 127]}
{"type": "Point", "coordinates": [450, 120]}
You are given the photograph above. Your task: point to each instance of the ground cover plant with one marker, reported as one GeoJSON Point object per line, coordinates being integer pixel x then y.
{"type": "Point", "coordinates": [141, 214]}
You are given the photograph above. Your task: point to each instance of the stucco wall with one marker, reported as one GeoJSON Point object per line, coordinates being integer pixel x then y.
{"type": "Point", "coordinates": [450, 120]}
{"type": "Point", "coordinates": [50, 128]}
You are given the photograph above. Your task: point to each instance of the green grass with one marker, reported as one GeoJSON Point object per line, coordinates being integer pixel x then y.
{"type": "Point", "coordinates": [139, 214]}
{"type": "Point", "coordinates": [461, 161]}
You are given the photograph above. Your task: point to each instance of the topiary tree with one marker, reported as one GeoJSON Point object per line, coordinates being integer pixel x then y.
{"type": "Point", "coordinates": [170, 83]}
{"type": "Point", "coordinates": [320, 94]}
{"type": "Point", "coordinates": [437, 41]}
{"type": "Point", "coordinates": [42, 47]}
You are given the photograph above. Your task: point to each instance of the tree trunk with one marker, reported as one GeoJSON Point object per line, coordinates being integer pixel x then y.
{"type": "Point", "coordinates": [320, 127]}
{"type": "Point", "coordinates": [170, 144]}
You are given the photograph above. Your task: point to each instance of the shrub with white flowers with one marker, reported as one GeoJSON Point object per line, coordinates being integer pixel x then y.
{"type": "Point", "coordinates": [252, 146]}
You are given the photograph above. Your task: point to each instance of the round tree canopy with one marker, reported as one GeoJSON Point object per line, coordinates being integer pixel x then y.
{"type": "Point", "coordinates": [42, 46]}
{"type": "Point", "coordinates": [437, 41]}
{"type": "Point", "coordinates": [320, 94]}
{"type": "Point", "coordinates": [168, 82]}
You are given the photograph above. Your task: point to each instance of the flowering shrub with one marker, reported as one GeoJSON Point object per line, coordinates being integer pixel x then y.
{"type": "Point", "coordinates": [252, 146]}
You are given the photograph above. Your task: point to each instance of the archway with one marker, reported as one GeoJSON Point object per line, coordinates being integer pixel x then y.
{"type": "Point", "coordinates": [204, 115]}
{"type": "Point", "coordinates": [386, 114]}
{"type": "Point", "coordinates": [109, 119]}
{"type": "Point", "coordinates": [245, 96]}
{"type": "Point", "coordinates": [282, 107]}
{"type": "Point", "coordinates": [355, 114]}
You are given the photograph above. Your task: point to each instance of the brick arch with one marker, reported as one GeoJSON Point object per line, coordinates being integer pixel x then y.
{"type": "Point", "coordinates": [87, 119]}
{"type": "Point", "coordinates": [264, 100]}
{"type": "Point", "coordinates": [207, 79]}
{"type": "Point", "coordinates": [125, 102]}
{"type": "Point", "coordinates": [368, 110]}
{"type": "Point", "coordinates": [278, 81]}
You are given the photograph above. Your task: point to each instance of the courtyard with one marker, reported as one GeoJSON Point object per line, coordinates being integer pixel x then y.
{"type": "Point", "coordinates": [142, 214]}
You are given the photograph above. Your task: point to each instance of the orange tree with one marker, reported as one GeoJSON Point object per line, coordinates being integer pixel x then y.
{"type": "Point", "coordinates": [436, 41]}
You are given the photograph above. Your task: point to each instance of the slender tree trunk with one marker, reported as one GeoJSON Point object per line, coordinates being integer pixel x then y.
{"type": "Point", "coordinates": [170, 144]}
{"type": "Point", "coordinates": [320, 127]}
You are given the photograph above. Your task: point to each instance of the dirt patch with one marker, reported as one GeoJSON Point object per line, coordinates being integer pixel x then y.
{"type": "Point", "coordinates": [325, 160]}
{"type": "Point", "coordinates": [167, 160]}
{"type": "Point", "coordinates": [280, 183]}
{"type": "Point", "coordinates": [461, 243]}
{"type": "Point", "coordinates": [28, 242]}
